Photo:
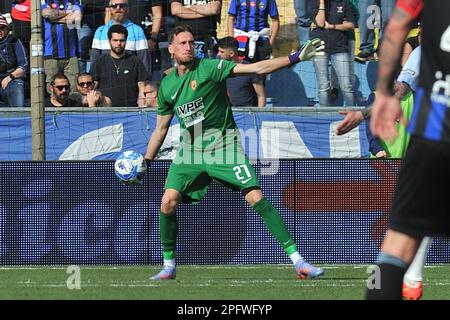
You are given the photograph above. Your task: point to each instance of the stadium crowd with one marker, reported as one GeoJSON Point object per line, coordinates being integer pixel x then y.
{"type": "Point", "coordinates": [75, 37]}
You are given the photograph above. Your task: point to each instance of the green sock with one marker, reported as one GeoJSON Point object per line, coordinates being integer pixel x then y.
{"type": "Point", "coordinates": [168, 228]}
{"type": "Point", "coordinates": [275, 224]}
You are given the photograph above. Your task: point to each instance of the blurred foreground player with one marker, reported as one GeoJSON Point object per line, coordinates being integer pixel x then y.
{"type": "Point", "coordinates": [210, 146]}
{"type": "Point", "coordinates": [420, 205]}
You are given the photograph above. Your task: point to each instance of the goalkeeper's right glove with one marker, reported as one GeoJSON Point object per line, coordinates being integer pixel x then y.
{"type": "Point", "coordinates": [309, 50]}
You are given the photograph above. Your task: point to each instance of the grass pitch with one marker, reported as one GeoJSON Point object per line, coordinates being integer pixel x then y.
{"type": "Point", "coordinates": [230, 282]}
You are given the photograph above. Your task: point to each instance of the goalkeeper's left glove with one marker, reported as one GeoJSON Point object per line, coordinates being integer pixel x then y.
{"type": "Point", "coordinates": [309, 50]}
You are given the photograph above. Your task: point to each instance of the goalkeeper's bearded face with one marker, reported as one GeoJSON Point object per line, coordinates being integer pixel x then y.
{"type": "Point", "coordinates": [182, 48]}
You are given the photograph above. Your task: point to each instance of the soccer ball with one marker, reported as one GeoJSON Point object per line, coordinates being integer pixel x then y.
{"type": "Point", "coordinates": [130, 167]}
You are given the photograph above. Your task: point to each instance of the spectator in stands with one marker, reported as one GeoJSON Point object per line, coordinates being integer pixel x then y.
{"type": "Point", "coordinates": [247, 90]}
{"type": "Point", "coordinates": [202, 17]}
{"type": "Point", "coordinates": [150, 98]}
{"type": "Point", "coordinates": [303, 21]}
{"type": "Point", "coordinates": [86, 95]}
{"type": "Point", "coordinates": [334, 93]}
{"type": "Point", "coordinates": [21, 21]}
{"type": "Point", "coordinates": [251, 27]}
{"type": "Point", "coordinates": [93, 18]}
{"type": "Point", "coordinates": [59, 89]}
{"type": "Point", "coordinates": [162, 23]}
{"type": "Point", "coordinates": [13, 66]}
{"type": "Point", "coordinates": [369, 19]}
{"type": "Point", "coordinates": [60, 37]}
{"type": "Point", "coordinates": [119, 75]}
{"type": "Point", "coordinates": [137, 42]}
{"type": "Point", "coordinates": [148, 16]}
{"type": "Point", "coordinates": [332, 21]}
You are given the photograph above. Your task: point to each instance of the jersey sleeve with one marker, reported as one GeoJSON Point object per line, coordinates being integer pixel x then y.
{"type": "Point", "coordinates": [411, 69]}
{"type": "Point", "coordinates": [233, 9]}
{"type": "Point", "coordinates": [164, 107]}
{"type": "Point", "coordinates": [219, 70]}
{"type": "Point", "coordinates": [413, 7]}
{"type": "Point", "coordinates": [273, 9]}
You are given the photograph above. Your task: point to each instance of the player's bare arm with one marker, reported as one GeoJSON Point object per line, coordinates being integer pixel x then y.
{"type": "Point", "coordinates": [262, 67]}
{"type": "Point", "coordinates": [158, 135]}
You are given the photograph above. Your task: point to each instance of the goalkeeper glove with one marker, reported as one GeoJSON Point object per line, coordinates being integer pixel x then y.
{"type": "Point", "coordinates": [309, 50]}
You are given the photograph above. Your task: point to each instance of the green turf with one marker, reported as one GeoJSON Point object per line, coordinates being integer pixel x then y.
{"type": "Point", "coordinates": [253, 282]}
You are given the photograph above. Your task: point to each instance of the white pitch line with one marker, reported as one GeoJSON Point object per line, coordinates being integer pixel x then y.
{"type": "Point", "coordinates": [181, 285]}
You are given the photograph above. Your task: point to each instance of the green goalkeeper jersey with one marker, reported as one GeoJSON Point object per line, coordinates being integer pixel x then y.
{"type": "Point", "coordinates": [200, 101]}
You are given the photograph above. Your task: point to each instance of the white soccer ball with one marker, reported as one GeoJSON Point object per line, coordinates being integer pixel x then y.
{"type": "Point", "coordinates": [130, 167]}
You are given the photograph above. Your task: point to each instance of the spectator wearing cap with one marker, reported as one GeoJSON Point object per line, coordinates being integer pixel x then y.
{"type": "Point", "coordinates": [13, 66]}
{"type": "Point", "coordinates": [61, 18]}
{"type": "Point", "coordinates": [137, 44]}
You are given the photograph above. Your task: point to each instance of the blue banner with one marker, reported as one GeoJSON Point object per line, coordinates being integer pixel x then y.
{"type": "Point", "coordinates": [102, 136]}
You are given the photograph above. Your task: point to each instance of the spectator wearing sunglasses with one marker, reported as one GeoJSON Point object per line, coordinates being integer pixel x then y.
{"type": "Point", "coordinates": [59, 89]}
{"type": "Point", "coordinates": [86, 95]}
{"type": "Point", "coordinates": [136, 42]}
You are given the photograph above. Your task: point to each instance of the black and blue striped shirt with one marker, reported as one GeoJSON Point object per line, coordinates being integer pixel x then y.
{"type": "Point", "coordinates": [252, 15]}
{"type": "Point", "coordinates": [60, 42]}
{"type": "Point", "coordinates": [431, 116]}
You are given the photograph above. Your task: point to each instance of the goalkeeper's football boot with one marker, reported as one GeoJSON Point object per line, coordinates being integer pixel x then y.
{"type": "Point", "coordinates": [305, 270]}
{"type": "Point", "coordinates": [167, 273]}
{"type": "Point", "coordinates": [410, 292]}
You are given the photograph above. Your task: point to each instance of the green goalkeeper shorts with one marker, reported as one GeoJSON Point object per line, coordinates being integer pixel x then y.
{"type": "Point", "coordinates": [192, 178]}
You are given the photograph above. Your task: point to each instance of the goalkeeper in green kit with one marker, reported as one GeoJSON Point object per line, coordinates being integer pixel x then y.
{"type": "Point", "coordinates": [210, 146]}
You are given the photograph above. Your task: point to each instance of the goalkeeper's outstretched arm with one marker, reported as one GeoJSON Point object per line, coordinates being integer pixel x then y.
{"type": "Point", "coordinates": [310, 49]}
{"type": "Point", "coordinates": [158, 136]}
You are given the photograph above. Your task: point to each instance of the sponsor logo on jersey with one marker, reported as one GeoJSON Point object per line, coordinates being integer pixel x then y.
{"type": "Point", "coordinates": [440, 92]}
{"type": "Point", "coordinates": [191, 112]}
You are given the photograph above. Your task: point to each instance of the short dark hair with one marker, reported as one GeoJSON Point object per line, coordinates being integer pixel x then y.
{"type": "Point", "coordinates": [117, 28]}
{"type": "Point", "coordinates": [228, 43]}
{"type": "Point", "coordinates": [84, 74]}
{"type": "Point", "coordinates": [179, 29]}
{"type": "Point", "coordinates": [58, 76]}
{"type": "Point", "coordinates": [155, 84]}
